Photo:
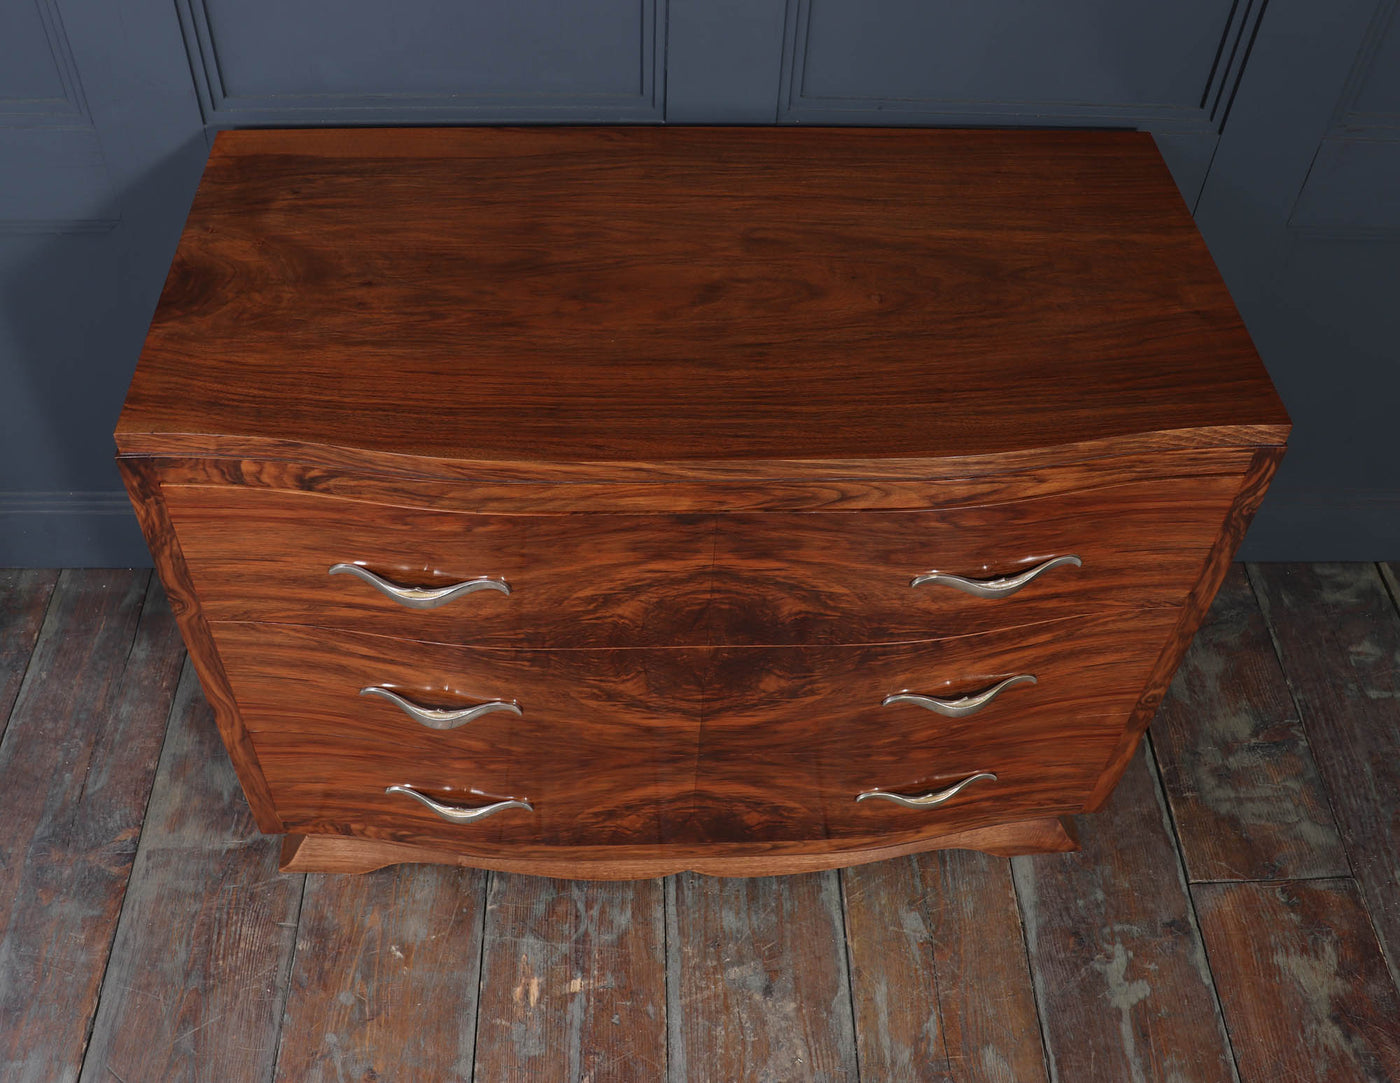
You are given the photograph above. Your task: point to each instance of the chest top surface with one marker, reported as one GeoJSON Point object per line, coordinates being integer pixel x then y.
{"type": "Point", "coordinates": [691, 295]}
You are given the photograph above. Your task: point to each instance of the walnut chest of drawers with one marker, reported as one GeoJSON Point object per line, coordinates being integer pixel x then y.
{"type": "Point", "coordinates": [603, 502]}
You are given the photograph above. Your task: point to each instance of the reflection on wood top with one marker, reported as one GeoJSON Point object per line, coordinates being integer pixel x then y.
{"type": "Point", "coordinates": [692, 295]}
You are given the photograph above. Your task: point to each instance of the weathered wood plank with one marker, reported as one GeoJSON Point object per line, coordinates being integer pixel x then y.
{"type": "Point", "coordinates": [24, 599]}
{"type": "Point", "coordinates": [1120, 976]}
{"type": "Point", "coordinates": [195, 986]}
{"type": "Point", "coordinates": [1338, 636]}
{"type": "Point", "coordinates": [1244, 789]}
{"type": "Point", "coordinates": [573, 981]}
{"type": "Point", "coordinates": [75, 771]}
{"type": "Point", "coordinates": [1302, 982]}
{"type": "Point", "coordinates": [759, 984]}
{"type": "Point", "coordinates": [939, 978]}
{"type": "Point", "coordinates": [385, 980]}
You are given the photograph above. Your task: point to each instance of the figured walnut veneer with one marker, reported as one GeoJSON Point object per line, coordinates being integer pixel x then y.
{"type": "Point", "coordinates": [707, 400]}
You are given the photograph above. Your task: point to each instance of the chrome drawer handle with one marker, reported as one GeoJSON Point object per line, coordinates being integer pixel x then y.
{"type": "Point", "coordinates": [421, 597]}
{"type": "Point", "coordinates": [442, 718]}
{"type": "Point", "coordinates": [927, 800]}
{"type": "Point", "coordinates": [456, 814]}
{"type": "Point", "coordinates": [999, 587]}
{"type": "Point", "coordinates": [963, 705]}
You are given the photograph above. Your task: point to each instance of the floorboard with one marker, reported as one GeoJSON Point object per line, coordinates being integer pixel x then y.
{"type": "Point", "coordinates": [760, 981]}
{"type": "Point", "coordinates": [1238, 772]}
{"type": "Point", "coordinates": [1120, 974]}
{"type": "Point", "coordinates": [384, 984]}
{"type": "Point", "coordinates": [939, 976]}
{"type": "Point", "coordinates": [146, 934]}
{"type": "Point", "coordinates": [573, 981]}
{"type": "Point", "coordinates": [1338, 636]}
{"type": "Point", "coordinates": [1304, 989]}
{"type": "Point", "coordinates": [24, 599]}
{"type": "Point", "coordinates": [76, 766]}
{"type": "Point", "coordinates": [199, 969]}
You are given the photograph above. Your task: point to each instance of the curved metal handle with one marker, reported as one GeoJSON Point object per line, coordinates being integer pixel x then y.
{"type": "Point", "coordinates": [456, 814]}
{"type": "Point", "coordinates": [999, 587]}
{"type": "Point", "coordinates": [963, 705]}
{"type": "Point", "coordinates": [421, 597]}
{"type": "Point", "coordinates": [927, 800]}
{"type": "Point", "coordinates": [437, 718]}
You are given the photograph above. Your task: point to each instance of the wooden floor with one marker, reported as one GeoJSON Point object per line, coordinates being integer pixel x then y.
{"type": "Point", "coordinates": [1234, 913]}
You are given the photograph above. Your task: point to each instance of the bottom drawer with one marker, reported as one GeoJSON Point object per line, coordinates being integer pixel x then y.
{"type": "Point", "coordinates": [685, 746]}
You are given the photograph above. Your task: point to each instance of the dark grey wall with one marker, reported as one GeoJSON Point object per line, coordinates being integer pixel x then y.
{"type": "Point", "coordinates": [1280, 125]}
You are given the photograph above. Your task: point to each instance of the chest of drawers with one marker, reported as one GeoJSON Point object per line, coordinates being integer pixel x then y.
{"type": "Point", "coordinates": [603, 503]}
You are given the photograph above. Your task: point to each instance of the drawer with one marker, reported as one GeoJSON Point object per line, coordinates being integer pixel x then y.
{"type": "Point", "coordinates": [585, 579]}
{"type": "Point", "coordinates": [604, 746]}
{"type": "Point", "coordinates": [793, 734]}
{"type": "Point", "coordinates": [633, 747]}
{"type": "Point", "coordinates": [845, 577]}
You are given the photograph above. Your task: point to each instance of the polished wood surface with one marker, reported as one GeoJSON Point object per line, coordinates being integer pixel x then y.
{"type": "Point", "coordinates": [1253, 486]}
{"type": "Point", "coordinates": [682, 747]}
{"type": "Point", "coordinates": [793, 734]}
{"type": "Point", "coordinates": [346, 854]}
{"type": "Point", "coordinates": [575, 580]}
{"type": "Point", "coordinates": [666, 295]}
{"type": "Point", "coordinates": [144, 488]}
{"type": "Point", "coordinates": [599, 580]}
{"type": "Point", "coordinates": [708, 400]}
{"type": "Point", "coordinates": [846, 577]}
{"type": "Point", "coordinates": [742, 487]}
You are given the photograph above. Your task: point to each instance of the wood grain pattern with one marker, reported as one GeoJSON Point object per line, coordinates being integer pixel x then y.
{"type": "Point", "coordinates": [594, 337]}
{"type": "Point", "coordinates": [385, 980]}
{"type": "Point", "coordinates": [339, 853]}
{"type": "Point", "coordinates": [573, 984]}
{"type": "Point", "coordinates": [740, 487]}
{"type": "Point", "coordinates": [793, 734]}
{"type": "Point", "coordinates": [203, 951]}
{"type": "Point", "coordinates": [939, 978]}
{"type": "Point", "coordinates": [605, 749]}
{"type": "Point", "coordinates": [76, 767]}
{"type": "Point", "coordinates": [1236, 767]}
{"type": "Point", "coordinates": [24, 599]}
{"type": "Point", "coordinates": [1121, 977]}
{"type": "Point", "coordinates": [1338, 635]}
{"type": "Point", "coordinates": [597, 580]}
{"type": "Point", "coordinates": [576, 580]}
{"type": "Point", "coordinates": [472, 353]}
{"type": "Point", "coordinates": [681, 746]}
{"type": "Point", "coordinates": [845, 577]}
{"type": "Point", "coordinates": [1251, 492]}
{"type": "Point", "coordinates": [745, 959]}
{"type": "Point", "coordinates": [1302, 982]}
{"type": "Point", "coordinates": [143, 486]}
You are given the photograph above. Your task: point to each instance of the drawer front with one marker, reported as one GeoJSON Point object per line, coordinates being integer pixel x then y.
{"type": "Point", "coordinates": [574, 580]}
{"type": "Point", "coordinates": [604, 747]}
{"type": "Point", "coordinates": [793, 735]}
{"type": "Point", "coordinates": [636, 747]}
{"type": "Point", "coordinates": [845, 577]}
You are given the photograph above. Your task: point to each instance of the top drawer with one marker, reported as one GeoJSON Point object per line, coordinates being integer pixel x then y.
{"type": "Point", "coordinates": [598, 579]}
{"type": "Point", "coordinates": [575, 580]}
{"type": "Point", "coordinates": [865, 577]}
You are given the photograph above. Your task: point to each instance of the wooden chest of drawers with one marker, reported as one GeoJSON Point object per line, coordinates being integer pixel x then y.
{"type": "Point", "coordinates": [608, 502]}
